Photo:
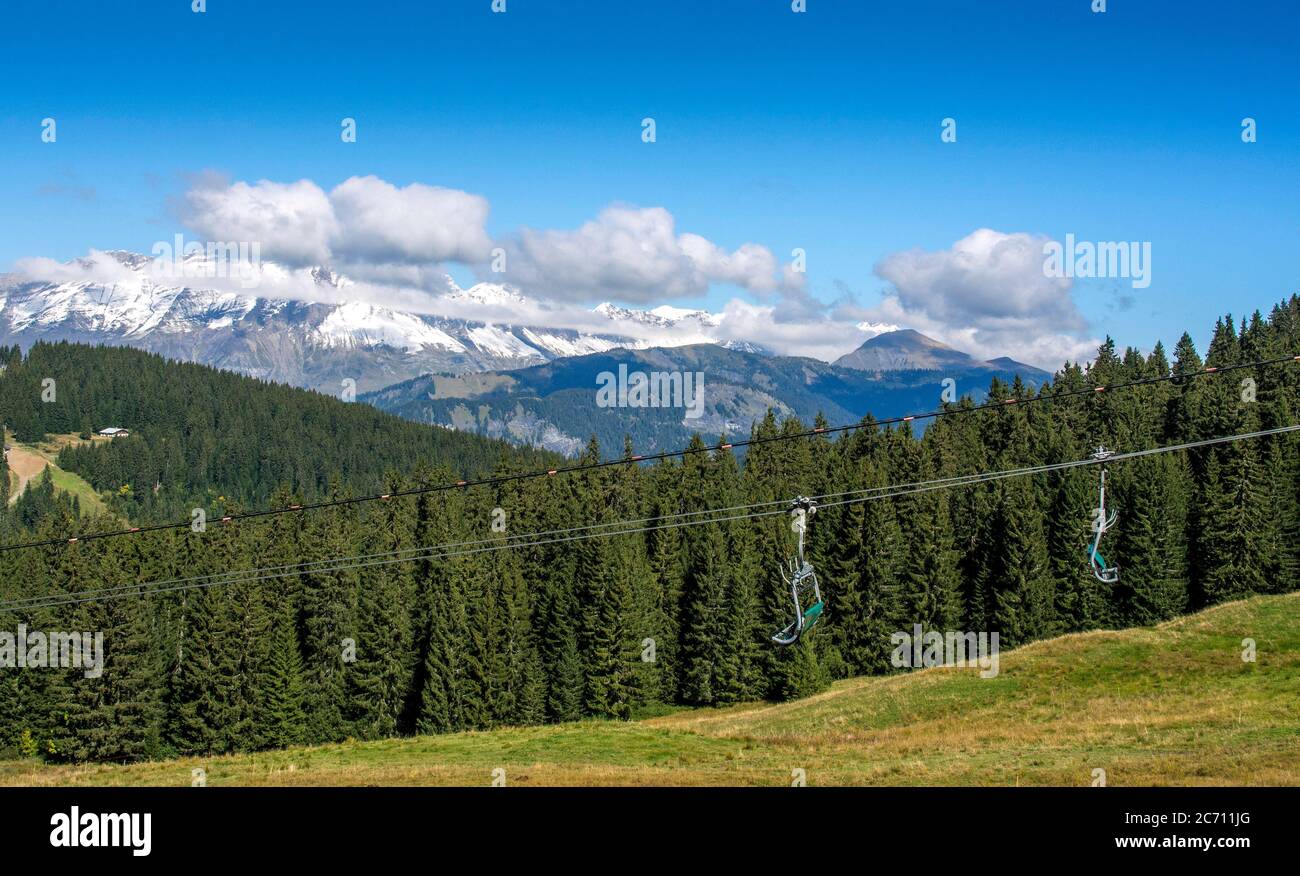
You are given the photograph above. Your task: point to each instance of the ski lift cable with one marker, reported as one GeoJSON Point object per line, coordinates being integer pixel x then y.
{"type": "Point", "coordinates": [241, 576]}
{"type": "Point", "coordinates": [418, 553]}
{"type": "Point", "coordinates": [252, 575]}
{"type": "Point", "coordinates": [309, 566]}
{"type": "Point", "coordinates": [146, 589]}
{"type": "Point", "coordinates": [653, 457]}
{"type": "Point", "coordinates": [857, 497]}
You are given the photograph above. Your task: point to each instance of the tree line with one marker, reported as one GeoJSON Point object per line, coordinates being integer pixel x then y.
{"type": "Point", "coordinates": [636, 621]}
{"type": "Point", "coordinates": [201, 435]}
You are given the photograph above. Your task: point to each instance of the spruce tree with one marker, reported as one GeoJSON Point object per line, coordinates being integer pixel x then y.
{"type": "Point", "coordinates": [377, 684]}
{"type": "Point", "coordinates": [704, 596]}
{"type": "Point", "coordinates": [329, 622]}
{"type": "Point", "coordinates": [283, 716]}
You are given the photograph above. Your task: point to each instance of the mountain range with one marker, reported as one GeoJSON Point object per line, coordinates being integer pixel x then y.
{"type": "Point", "coordinates": [312, 345]}
{"type": "Point", "coordinates": [527, 384]}
{"type": "Point", "coordinates": [557, 406]}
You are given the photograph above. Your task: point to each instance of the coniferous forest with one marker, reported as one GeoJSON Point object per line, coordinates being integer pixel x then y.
{"type": "Point", "coordinates": [610, 627]}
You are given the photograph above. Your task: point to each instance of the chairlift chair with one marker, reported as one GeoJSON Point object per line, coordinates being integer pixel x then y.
{"type": "Point", "coordinates": [801, 579]}
{"type": "Point", "coordinates": [1103, 572]}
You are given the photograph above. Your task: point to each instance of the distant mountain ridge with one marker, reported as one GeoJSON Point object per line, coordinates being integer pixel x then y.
{"type": "Point", "coordinates": [555, 406]}
{"type": "Point", "coordinates": [909, 350]}
{"type": "Point", "coordinates": [406, 360]}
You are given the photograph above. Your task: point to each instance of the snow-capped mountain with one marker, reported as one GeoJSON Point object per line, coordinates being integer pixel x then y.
{"type": "Point", "coordinates": [664, 316]}
{"type": "Point", "coordinates": [316, 344]}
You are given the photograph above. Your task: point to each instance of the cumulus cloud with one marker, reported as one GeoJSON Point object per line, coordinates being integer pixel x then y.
{"type": "Point", "coordinates": [369, 227]}
{"type": "Point", "coordinates": [293, 222]}
{"type": "Point", "coordinates": [363, 221]}
{"type": "Point", "coordinates": [773, 327]}
{"type": "Point", "coordinates": [751, 266]}
{"type": "Point", "coordinates": [633, 254]}
{"type": "Point", "coordinates": [985, 276]}
{"type": "Point", "coordinates": [379, 222]}
{"type": "Point", "coordinates": [96, 266]}
{"type": "Point", "coordinates": [988, 295]}
{"type": "Point", "coordinates": [425, 278]}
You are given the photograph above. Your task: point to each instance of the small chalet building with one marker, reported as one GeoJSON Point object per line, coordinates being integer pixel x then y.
{"type": "Point", "coordinates": [113, 432]}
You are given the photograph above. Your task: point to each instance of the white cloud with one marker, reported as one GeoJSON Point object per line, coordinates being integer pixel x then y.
{"type": "Point", "coordinates": [370, 227]}
{"type": "Point", "coordinates": [426, 278]}
{"type": "Point", "coordinates": [416, 224]}
{"type": "Point", "coordinates": [293, 222]}
{"type": "Point", "coordinates": [985, 275]}
{"type": "Point", "coordinates": [820, 336]}
{"type": "Point", "coordinates": [751, 266]}
{"type": "Point", "coordinates": [632, 254]}
{"type": "Point", "coordinates": [364, 221]}
{"type": "Point", "coordinates": [987, 295]}
{"type": "Point", "coordinates": [95, 267]}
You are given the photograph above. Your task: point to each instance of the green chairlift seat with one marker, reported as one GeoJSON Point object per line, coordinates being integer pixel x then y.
{"type": "Point", "coordinates": [802, 581]}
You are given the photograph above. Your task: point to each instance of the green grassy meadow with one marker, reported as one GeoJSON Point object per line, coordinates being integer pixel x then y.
{"type": "Point", "coordinates": [1173, 704]}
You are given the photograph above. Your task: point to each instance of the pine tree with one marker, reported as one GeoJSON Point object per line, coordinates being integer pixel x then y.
{"type": "Point", "coordinates": [329, 622]}
{"type": "Point", "coordinates": [452, 696]}
{"type": "Point", "coordinates": [522, 699]}
{"type": "Point", "coordinates": [283, 717]}
{"type": "Point", "coordinates": [112, 709]}
{"type": "Point", "coordinates": [878, 574]}
{"type": "Point", "coordinates": [704, 597]}
{"type": "Point", "coordinates": [1018, 586]}
{"type": "Point", "coordinates": [1231, 556]}
{"type": "Point", "coordinates": [851, 641]}
{"type": "Point", "coordinates": [928, 586]}
{"type": "Point", "coordinates": [740, 671]}
{"type": "Point", "coordinates": [665, 557]}
{"type": "Point", "coordinates": [212, 698]}
{"type": "Point", "coordinates": [563, 659]}
{"type": "Point", "coordinates": [377, 684]}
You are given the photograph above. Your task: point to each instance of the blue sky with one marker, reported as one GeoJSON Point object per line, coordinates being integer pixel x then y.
{"type": "Point", "coordinates": [817, 130]}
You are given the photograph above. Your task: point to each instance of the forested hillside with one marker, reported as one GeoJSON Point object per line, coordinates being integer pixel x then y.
{"type": "Point", "coordinates": [200, 436]}
{"type": "Point", "coordinates": [557, 631]}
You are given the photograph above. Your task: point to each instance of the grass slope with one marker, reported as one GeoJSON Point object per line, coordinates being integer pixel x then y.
{"type": "Point", "coordinates": [32, 459]}
{"type": "Point", "coordinates": [1173, 704]}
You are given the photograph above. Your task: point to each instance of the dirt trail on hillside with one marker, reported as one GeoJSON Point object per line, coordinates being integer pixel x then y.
{"type": "Point", "coordinates": [26, 465]}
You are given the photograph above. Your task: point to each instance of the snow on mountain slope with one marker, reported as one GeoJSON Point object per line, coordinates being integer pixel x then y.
{"type": "Point", "coordinates": [488, 293]}
{"type": "Point", "coordinates": [499, 342]}
{"type": "Point", "coordinates": [580, 345]}
{"type": "Point", "coordinates": [664, 316]}
{"type": "Point", "coordinates": [301, 342]}
{"type": "Point", "coordinates": [357, 324]}
{"type": "Point", "coordinates": [676, 314]}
